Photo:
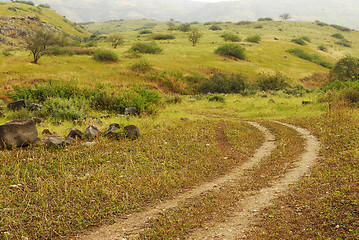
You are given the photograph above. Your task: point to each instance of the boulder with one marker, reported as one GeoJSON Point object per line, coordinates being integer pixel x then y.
{"type": "Point", "coordinates": [112, 131]}
{"type": "Point", "coordinates": [17, 105]}
{"type": "Point", "coordinates": [33, 107]}
{"type": "Point", "coordinates": [92, 132]}
{"type": "Point", "coordinates": [132, 132]}
{"type": "Point", "coordinates": [52, 142]}
{"type": "Point", "coordinates": [75, 133]}
{"type": "Point", "coordinates": [18, 133]}
{"type": "Point", "coordinates": [131, 111]}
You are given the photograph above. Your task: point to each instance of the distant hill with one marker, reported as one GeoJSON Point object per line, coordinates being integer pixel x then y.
{"type": "Point", "coordinates": [17, 18]}
{"type": "Point", "coordinates": [343, 12]}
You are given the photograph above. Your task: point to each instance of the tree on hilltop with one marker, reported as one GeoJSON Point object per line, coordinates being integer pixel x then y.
{"type": "Point", "coordinates": [285, 16]}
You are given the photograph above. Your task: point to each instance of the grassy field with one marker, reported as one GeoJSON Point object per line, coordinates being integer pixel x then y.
{"type": "Point", "coordinates": [54, 193]}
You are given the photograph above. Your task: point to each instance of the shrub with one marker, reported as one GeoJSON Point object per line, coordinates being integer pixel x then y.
{"type": "Point", "coordinates": [230, 37]}
{"type": "Point", "coordinates": [309, 57]}
{"type": "Point", "coordinates": [56, 51]}
{"type": "Point", "coordinates": [305, 38]}
{"type": "Point", "coordinates": [146, 31]}
{"type": "Point", "coordinates": [338, 35]}
{"type": "Point", "coordinates": [258, 26]}
{"type": "Point", "coordinates": [26, 2]}
{"type": "Point", "coordinates": [216, 98]}
{"type": "Point", "coordinates": [222, 83]}
{"type": "Point", "coordinates": [322, 47]}
{"type": "Point", "coordinates": [173, 99]}
{"type": "Point", "coordinates": [244, 23]}
{"type": "Point", "coordinates": [103, 55]}
{"type": "Point", "coordinates": [215, 28]}
{"type": "Point", "coordinates": [341, 28]}
{"type": "Point", "coordinates": [231, 50]}
{"type": "Point", "coordinates": [322, 24]}
{"type": "Point", "coordinates": [277, 81]}
{"type": "Point", "coordinates": [141, 66]}
{"type": "Point", "coordinates": [344, 43]}
{"type": "Point", "coordinates": [66, 109]}
{"type": "Point", "coordinates": [347, 68]}
{"type": "Point", "coordinates": [299, 41]}
{"type": "Point", "coordinates": [184, 27]}
{"type": "Point", "coordinates": [265, 19]}
{"type": "Point", "coordinates": [150, 48]}
{"type": "Point", "coordinates": [8, 52]}
{"type": "Point", "coordinates": [254, 39]}
{"type": "Point", "coordinates": [162, 36]}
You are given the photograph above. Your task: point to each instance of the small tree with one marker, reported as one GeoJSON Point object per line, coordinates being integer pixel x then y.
{"type": "Point", "coordinates": [116, 40]}
{"type": "Point", "coordinates": [37, 41]}
{"type": "Point", "coordinates": [184, 27]}
{"type": "Point", "coordinates": [285, 16]}
{"type": "Point", "coordinates": [345, 69]}
{"type": "Point", "coordinates": [194, 36]}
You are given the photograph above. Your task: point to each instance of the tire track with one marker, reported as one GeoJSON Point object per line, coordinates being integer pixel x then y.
{"type": "Point", "coordinates": [241, 221]}
{"type": "Point", "coordinates": [132, 225]}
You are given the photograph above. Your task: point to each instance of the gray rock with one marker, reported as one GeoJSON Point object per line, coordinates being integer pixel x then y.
{"type": "Point", "coordinates": [306, 102]}
{"type": "Point", "coordinates": [92, 132]}
{"type": "Point", "coordinates": [112, 131]}
{"type": "Point", "coordinates": [78, 122]}
{"type": "Point", "coordinates": [132, 132]}
{"type": "Point", "coordinates": [17, 105]}
{"type": "Point", "coordinates": [271, 101]}
{"type": "Point", "coordinates": [132, 111]}
{"type": "Point", "coordinates": [75, 133]}
{"type": "Point", "coordinates": [69, 141]}
{"type": "Point", "coordinates": [18, 133]}
{"type": "Point", "coordinates": [54, 142]}
{"type": "Point", "coordinates": [33, 107]}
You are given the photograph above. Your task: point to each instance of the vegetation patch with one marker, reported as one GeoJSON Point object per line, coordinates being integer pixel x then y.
{"type": "Point", "coordinates": [230, 37]}
{"type": "Point", "coordinates": [149, 48]}
{"type": "Point", "coordinates": [231, 50]}
{"type": "Point", "coordinates": [221, 83]}
{"type": "Point", "coordinates": [105, 55]}
{"type": "Point", "coordinates": [163, 36]}
{"type": "Point", "coordinates": [254, 39]}
{"type": "Point", "coordinates": [277, 81]}
{"type": "Point", "coordinates": [309, 57]}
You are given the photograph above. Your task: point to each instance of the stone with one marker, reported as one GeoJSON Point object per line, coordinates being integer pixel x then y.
{"type": "Point", "coordinates": [18, 133]}
{"type": "Point", "coordinates": [78, 122]}
{"type": "Point", "coordinates": [54, 142]}
{"type": "Point", "coordinates": [92, 132]}
{"type": "Point", "coordinates": [46, 132]}
{"type": "Point", "coordinates": [75, 133]}
{"type": "Point", "coordinates": [184, 119]}
{"type": "Point", "coordinates": [132, 111]}
{"type": "Point", "coordinates": [132, 132]}
{"type": "Point", "coordinates": [112, 131]}
{"type": "Point", "coordinates": [271, 101]}
{"type": "Point", "coordinates": [306, 102]}
{"type": "Point", "coordinates": [33, 107]}
{"type": "Point", "coordinates": [106, 116]}
{"type": "Point", "coordinates": [69, 141]}
{"type": "Point", "coordinates": [17, 105]}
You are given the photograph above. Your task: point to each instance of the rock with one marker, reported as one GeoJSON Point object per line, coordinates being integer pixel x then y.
{"type": "Point", "coordinates": [36, 120]}
{"type": "Point", "coordinates": [1, 114]}
{"type": "Point", "coordinates": [54, 142]}
{"type": "Point", "coordinates": [33, 107]}
{"type": "Point", "coordinates": [56, 123]}
{"type": "Point", "coordinates": [75, 133]}
{"type": "Point", "coordinates": [112, 131]}
{"type": "Point", "coordinates": [15, 106]}
{"type": "Point", "coordinates": [69, 141]}
{"type": "Point", "coordinates": [132, 132]}
{"type": "Point", "coordinates": [92, 132]}
{"type": "Point", "coordinates": [131, 111]}
{"type": "Point", "coordinates": [271, 101]}
{"type": "Point", "coordinates": [46, 132]}
{"type": "Point", "coordinates": [92, 120]}
{"type": "Point", "coordinates": [18, 133]}
{"type": "Point", "coordinates": [106, 116]}
{"type": "Point", "coordinates": [78, 122]}
{"type": "Point", "coordinates": [306, 102]}
{"type": "Point", "coordinates": [184, 119]}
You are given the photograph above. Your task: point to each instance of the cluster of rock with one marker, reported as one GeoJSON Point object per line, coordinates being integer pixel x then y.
{"type": "Point", "coordinates": [21, 133]}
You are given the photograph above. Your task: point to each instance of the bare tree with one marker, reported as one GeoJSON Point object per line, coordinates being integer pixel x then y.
{"type": "Point", "coordinates": [285, 16]}
{"type": "Point", "coordinates": [116, 40]}
{"type": "Point", "coordinates": [37, 41]}
{"type": "Point", "coordinates": [194, 36]}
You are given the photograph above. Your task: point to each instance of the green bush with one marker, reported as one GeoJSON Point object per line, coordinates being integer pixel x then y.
{"type": "Point", "coordinates": [344, 43]}
{"type": "Point", "coordinates": [299, 41]}
{"type": "Point", "coordinates": [244, 23]}
{"type": "Point", "coordinates": [322, 47]}
{"type": "Point", "coordinates": [8, 52]}
{"type": "Point", "coordinates": [265, 19]}
{"type": "Point", "coordinates": [215, 28]}
{"type": "Point", "coordinates": [231, 50]}
{"type": "Point", "coordinates": [142, 47]}
{"type": "Point", "coordinates": [184, 27]}
{"type": "Point", "coordinates": [341, 28]}
{"type": "Point", "coordinates": [258, 26]}
{"type": "Point", "coordinates": [222, 83]}
{"type": "Point", "coordinates": [141, 66]}
{"type": "Point", "coordinates": [66, 109]}
{"type": "Point", "coordinates": [309, 57]}
{"type": "Point", "coordinates": [254, 39]}
{"type": "Point", "coordinates": [103, 55]}
{"type": "Point", "coordinates": [216, 98]}
{"type": "Point", "coordinates": [277, 81]}
{"type": "Point", "coordinates": [347, 68]}
{"type": "Point", "coordinates": [338, 35]}
{"type": "Point", "coordinates": [26, 2]}
{"type": "Point", "coordinates": [322, 24]}
{"type": "Point", "coordinates": [56, 51]}
{"type": "Point", "coordinates": [230, 37]}
{"type": "Point", "coordinates": [146, 31]}
{"type": "Point", "coordinates": [163, 36]}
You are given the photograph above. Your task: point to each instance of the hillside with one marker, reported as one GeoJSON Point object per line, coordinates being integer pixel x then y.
{"type": "Point", "coordinates": [17, 18]}
{"type": "Point", "coordinates": [331, 11]}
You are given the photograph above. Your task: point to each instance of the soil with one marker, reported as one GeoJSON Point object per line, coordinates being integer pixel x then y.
{"type": "Point", "coordinates": [243, 218]}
